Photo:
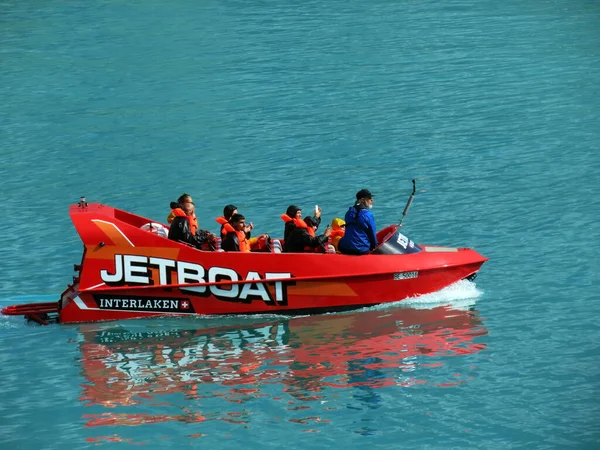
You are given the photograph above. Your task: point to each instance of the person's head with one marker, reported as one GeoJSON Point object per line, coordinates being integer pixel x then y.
{"type": "Point", "coordinates": [338, 224]}
{"type": "Point", "coordinates": [229, 211]}
{"type": "Point", "coordinates": [309, 221]}
{"type": "Point", "coordinates": [365, 198]}
{"type": "Point", "coordinates": [187, 203]}
{"type": "Point", "coordinates": [294, 212]}
{"type": "Point", "coordinates": [238, 222]}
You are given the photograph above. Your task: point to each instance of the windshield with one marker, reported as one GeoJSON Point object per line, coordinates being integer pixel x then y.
{"type": "Point", "coordinates": [395, 243]}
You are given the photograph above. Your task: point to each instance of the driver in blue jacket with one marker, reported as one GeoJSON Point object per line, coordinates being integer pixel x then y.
{"type": "Point", "coordinates": [361, 236]}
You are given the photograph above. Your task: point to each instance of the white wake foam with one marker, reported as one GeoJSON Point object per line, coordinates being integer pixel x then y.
{"type": "Point", "coordinates": [460, 295]}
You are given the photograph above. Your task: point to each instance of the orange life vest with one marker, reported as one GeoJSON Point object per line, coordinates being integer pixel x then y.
{"type": "Point", "coordinates": [178, 212]}
{"type": "Point", "coordinates": [335, 237]}
{"type": "Point", "coordinates": [259, 244]}
{"type": "Point", "coordinates": [337, 232]}
{"type": "Point", "coordinates": [298, 222]}
{"type": "Point", "coordinates": [225, 226]}
{"type": "Point", "coordinates": [241, 235]}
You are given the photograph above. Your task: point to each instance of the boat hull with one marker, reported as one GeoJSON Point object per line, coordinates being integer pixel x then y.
{"type": "Point", "coordinates": [128, 272]}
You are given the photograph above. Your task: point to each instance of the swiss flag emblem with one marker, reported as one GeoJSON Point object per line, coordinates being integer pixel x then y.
{"type": "Point", "coordinates": [185, 304]}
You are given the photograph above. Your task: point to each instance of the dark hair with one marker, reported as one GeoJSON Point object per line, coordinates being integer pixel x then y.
{"type": "Point", "coordinates": [308, 220]}
{"type": "Point", "coordinates": [228, 211]}
{"type": "Point", "coordinates": [182, 198]}
{"type": "Point", "coordinates": [292, 210]}
{"type": "Point", "coordinates": [236, 218]}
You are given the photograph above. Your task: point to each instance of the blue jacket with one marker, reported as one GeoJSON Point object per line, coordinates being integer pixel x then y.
{"type": "Point", "coordinates": [360, 236]}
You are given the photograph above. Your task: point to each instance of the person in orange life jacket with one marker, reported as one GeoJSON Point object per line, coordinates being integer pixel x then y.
{"type": "Point", "coordinates": [184, 225]}
{"type": "Point", "coordinates": [236, 241]}
{"type": "Point", "coordinates": [302, 238]}
{"type": "Point", "coordinates": [258, 244]}
{"type": "Point", "coordinates": [338, 228]}
{"type": "Point", "coordinates": [228, 211]}
{"type": "Point", "coordinates": [360, 236]}
{"type": "Point", "coordinates": [293, 217]}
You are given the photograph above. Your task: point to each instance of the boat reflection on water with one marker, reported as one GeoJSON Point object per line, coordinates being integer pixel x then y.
{"type": "Point", "coordinates": [125, 364]}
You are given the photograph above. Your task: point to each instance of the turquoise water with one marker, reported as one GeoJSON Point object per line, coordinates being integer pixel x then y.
{"type": "Point", "coordinates": [493, 107]}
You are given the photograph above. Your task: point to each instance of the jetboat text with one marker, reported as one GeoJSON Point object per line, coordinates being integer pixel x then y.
{"type": "Point", "coordinates": [231, 286]}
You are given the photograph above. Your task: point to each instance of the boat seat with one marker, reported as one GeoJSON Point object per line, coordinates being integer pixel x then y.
{"type": "Point", "coordinates": [156, 228]}
{"type": "Point", "coordinates": [276, 246]}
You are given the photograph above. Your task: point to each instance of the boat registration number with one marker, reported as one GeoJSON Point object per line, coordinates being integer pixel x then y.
{"type": "Point", "coordinates": [405, 275]}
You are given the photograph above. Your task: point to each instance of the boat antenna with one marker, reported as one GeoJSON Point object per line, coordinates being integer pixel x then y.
{"type": "Point", "coordinates": [409, 202]}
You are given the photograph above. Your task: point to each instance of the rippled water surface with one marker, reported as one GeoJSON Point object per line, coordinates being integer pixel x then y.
{"type": "Point", "coordinates": [493, 107]}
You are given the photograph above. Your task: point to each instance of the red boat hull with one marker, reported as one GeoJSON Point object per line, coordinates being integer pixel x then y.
{"type": "Point", "coordinates": [128, 272]}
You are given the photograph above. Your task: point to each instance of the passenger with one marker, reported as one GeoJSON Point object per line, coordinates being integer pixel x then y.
{"type": "Point", "coordinates": [228, 211]}
{"type": "Point", "coordinates": [360, 236]}
{"type": "Point", "coordinates": [236, 241]}
{"type": "Point", "coordinates": [184, 224]}
{"type": "Point", "coordinates": [292, 213]}
{"type": "Point", "coordinates": [302, 238]}
{"type": "Point", "coordinates": [293, 219]}
{"type": "Point", "coordinates": [338, 228]}
{"type": "Point", "coordinates": [261, 243]}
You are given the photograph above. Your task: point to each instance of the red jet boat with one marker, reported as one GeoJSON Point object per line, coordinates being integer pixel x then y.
{"type": "Point", "coordinates": [130, 269]}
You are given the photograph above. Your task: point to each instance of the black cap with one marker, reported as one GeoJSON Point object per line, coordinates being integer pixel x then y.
{"type": "Point", "coordinates": [363, 193]}
{"type": "Point", "coordinates": [292, 210]}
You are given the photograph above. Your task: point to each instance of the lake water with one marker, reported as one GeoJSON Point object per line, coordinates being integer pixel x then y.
{"type": "Point", "coordinates": [493, 107]}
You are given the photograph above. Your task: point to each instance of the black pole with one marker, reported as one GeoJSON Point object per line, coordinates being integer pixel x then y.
{"type": "Point", "coordinates": [408, 203]}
